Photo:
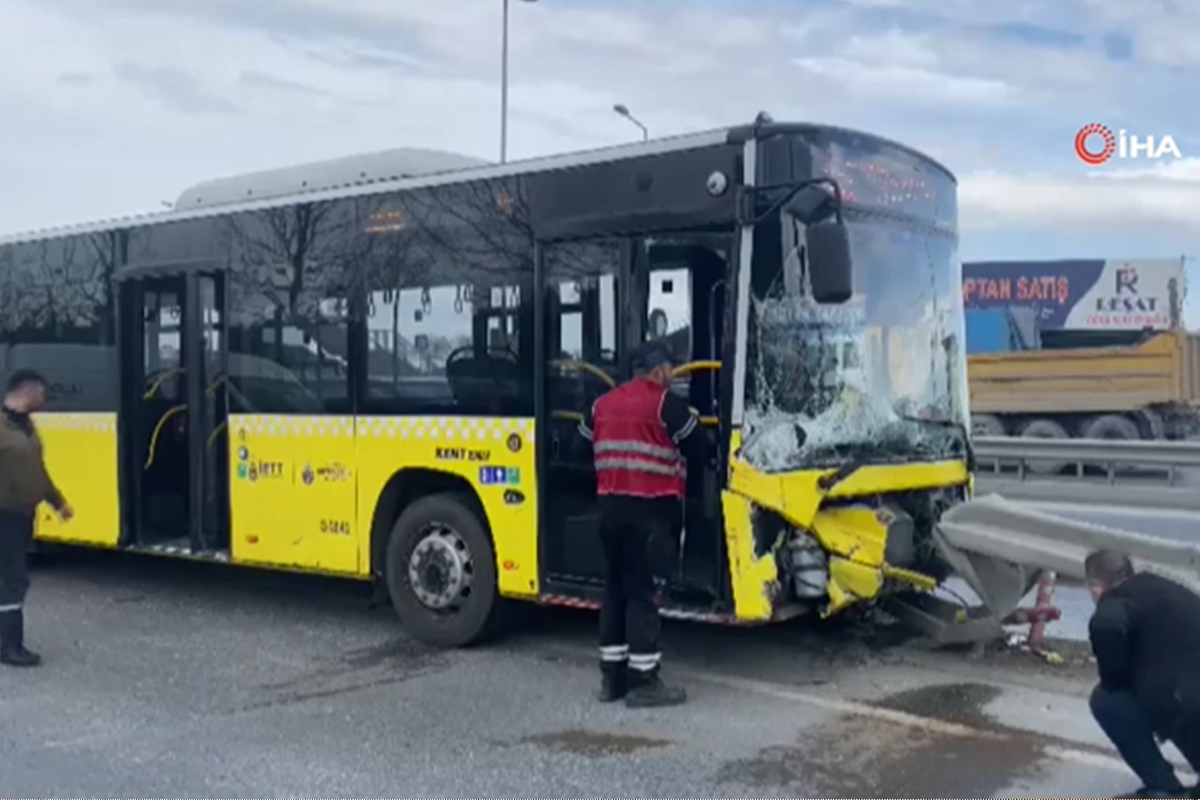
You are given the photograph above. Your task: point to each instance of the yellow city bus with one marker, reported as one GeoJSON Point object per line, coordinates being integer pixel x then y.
{"type": "Point", "coordinates": [373, 368]}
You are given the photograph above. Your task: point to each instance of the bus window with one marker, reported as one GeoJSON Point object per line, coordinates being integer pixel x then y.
{"type": "Point", "coordinates": [685, 305]}
{"type": "Point", "coordinates": [287, 319]}
{"type": "Point", "coordinates": [587, 325]}
{"type": "Point", "coordinates": [582, 315]}
{"type": "Point", "coordinates": [449, 311]}
{"type": "Point", "coordinates": [454, 348]}
{"type": "Point", "coordinates": [284, 363]}
{"type": "Point", "coordinates": [59, 318]}
{"type": "Point", "coordinates": [670, 317]}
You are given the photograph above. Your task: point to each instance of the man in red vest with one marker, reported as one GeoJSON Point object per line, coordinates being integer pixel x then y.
{"type": "Point", "coordinates": [640, 432]}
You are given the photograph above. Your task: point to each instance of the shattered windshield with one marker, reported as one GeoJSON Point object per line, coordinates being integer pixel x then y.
{"type": "Point", "coordinates": [882, 377]}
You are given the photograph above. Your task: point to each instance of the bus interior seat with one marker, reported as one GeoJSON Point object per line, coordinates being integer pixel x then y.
{"type": "Point", "coordinates": [484, 382]}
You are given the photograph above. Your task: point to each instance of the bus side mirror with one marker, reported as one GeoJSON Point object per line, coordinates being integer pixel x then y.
{"type": "Point", "coordinates": [812, 204]}
{"type": "Point", "coordinates": [829, 264]}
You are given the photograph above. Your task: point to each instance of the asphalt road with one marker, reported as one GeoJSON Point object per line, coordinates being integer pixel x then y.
{"type": "Point", "coordinates": [167, 679]}
{"type": "Point", "coordinates": [1179, 526]}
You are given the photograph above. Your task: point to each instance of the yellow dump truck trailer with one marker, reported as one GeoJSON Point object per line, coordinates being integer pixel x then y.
{"type": "Point", "coordinates": [1146, 390]}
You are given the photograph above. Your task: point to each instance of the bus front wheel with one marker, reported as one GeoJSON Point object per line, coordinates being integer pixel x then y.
{"type": "Point", "coordinates": [441, 572]}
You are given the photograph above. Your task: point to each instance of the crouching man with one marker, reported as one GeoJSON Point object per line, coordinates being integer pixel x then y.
{"type": "Point", "coordinates": [1145, 634]}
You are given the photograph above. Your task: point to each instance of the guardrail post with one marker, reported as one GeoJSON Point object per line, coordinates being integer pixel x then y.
{"type": "Point", "coordinates": [1045, 599]}
{"type": "Point", "coordinates": [1042, 612]}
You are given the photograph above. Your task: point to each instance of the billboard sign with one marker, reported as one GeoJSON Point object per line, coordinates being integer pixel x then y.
{"type": "Point", "coordinates": [1081, 294]}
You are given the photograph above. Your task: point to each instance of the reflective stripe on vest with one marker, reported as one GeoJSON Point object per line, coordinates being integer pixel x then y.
{"type": "Point", "coordinates": [634, 454]}
{"type": "Point", "coordinates": [635, 464]}
{"type": "Point", "coordinates": [637, 448]}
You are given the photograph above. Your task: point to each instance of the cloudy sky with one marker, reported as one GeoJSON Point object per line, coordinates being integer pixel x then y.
{"type": "Point", "coordinates": [114, 106]}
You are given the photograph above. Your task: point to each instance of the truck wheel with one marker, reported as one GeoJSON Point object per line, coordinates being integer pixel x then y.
{"type": "Point", "coordinates": [441, 572]}
{"type": "Point", "coordinates": [1044, 429]}
{"type": "Point", "coordinates": [1113, 427]}
{"type": "Point", "coordinates": [987, 425]}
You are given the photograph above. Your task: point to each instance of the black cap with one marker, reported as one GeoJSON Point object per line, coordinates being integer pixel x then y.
{"type": "Point", "coordinates": [649, 355]}
{"type": "Point", "coordinates": [21, 378]}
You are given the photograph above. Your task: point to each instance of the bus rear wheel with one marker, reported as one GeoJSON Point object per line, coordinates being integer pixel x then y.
{"type": "Point", "coordinates": [441, 572]}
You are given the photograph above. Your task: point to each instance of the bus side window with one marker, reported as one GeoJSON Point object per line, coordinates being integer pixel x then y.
{"type": "Point", "coordinates": [582, 301]}
{"type": "Point", "coordinates": [288, 331]}
{"type": "Point", "coordinates": [685, 308]}
{"type": "Point", "coordinates": [411, 333]}
{"type": "Point", "coordinates": [670, 317]}
{"type": "Point", "coordinates": [587, 322]}
{"type": "Point", "coordinates": [449, 308]}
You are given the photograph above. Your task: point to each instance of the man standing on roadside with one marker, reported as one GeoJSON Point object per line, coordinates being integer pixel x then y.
{"type": "Point", "coordinates": [640, 433]}
{"type": "Point", "coordinates": [1145, 634]}
{"type": "Point", "coordinates": [24, 484]}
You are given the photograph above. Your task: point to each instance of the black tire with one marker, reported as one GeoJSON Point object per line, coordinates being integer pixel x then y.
{"type": "Point", "coordinates": [475, 616]}
{"type": "Point", "coordinates": [1113, 427]}
{"type": "Point", "coordinates": [987, 425]}
{"type": "Point", "coordinates": [1045, 429]}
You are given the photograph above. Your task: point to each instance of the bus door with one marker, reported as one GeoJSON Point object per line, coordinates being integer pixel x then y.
{"type": "Point", "coordinates": [173, 406]}
{"type": "Point", "coordinates": [679, 286]}
{"type": "Point", "coordinates": [583, 351]}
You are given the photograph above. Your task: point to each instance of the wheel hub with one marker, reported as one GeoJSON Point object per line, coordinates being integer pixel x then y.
{"type": "Point", "coordinates": [440, 569]}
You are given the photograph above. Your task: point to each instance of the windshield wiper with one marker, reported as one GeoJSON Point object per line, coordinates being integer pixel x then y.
{"type": "Point", "coordinates": [963, 431]}
{"type": "Point", "coordinates": [942, 423]}
{"type": "Point", "coordinates": [950, 424]}
{"type": "Point", "coordinates": [827, 482]}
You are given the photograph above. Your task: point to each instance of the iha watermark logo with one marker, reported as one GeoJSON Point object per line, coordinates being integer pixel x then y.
{"type": "Point", "coordinates": [1096, 144]}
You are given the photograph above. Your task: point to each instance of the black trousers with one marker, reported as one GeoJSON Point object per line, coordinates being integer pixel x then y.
{"type": "Point", "coordinates": [16, 535]}
{"type": "Point", "coordinates": [638, 550]}
{"type": "Point", "coordinates": [1132, 731]}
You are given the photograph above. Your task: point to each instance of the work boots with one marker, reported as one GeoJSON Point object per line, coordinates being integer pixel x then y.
{"type": "Point", "coordinates": [614, 681]}
{"type": "Point", "coordinates": [648, 691]}
{"type": "Point", "coordinates": [19, 657]}
{"type": "Point", "coordinates": [12, 641]}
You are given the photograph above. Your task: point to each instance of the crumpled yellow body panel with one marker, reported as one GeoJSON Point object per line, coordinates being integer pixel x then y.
{"type": "Point", "coordinates": [854, 537]}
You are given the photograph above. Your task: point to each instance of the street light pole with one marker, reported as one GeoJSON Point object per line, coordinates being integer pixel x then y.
{"type": "Point", "coordinates": [504, 84]}
{"type": "Point", "coordinates": [623, 110]}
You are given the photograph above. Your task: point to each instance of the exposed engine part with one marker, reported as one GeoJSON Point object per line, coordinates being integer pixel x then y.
{"type": "Point", "coordinates": [807, 565]}
{"type": "Point", "coordinates": [925, 509]}
{"type": "Point", "coordinates": [770, 529]}
{"type": "Point", "coordinates": [900, 549]}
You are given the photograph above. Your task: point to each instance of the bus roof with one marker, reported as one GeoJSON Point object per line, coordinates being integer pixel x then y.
{"type": "Point", "coordinates": [388, 165]}
{"type": "Point", "coordinates": [366, 186]}
{"type": "Point", "coordinates": [408, 168]}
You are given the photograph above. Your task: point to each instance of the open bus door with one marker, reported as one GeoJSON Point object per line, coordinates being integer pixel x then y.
{"type": "Point", "coordinates": [679, 282]}
{"type": "Point", "coordinates": [599, 303]}
{"type": "Point", "coordinates": [173, 442]}
{"type": "Point", "coordinates": [584, 351]}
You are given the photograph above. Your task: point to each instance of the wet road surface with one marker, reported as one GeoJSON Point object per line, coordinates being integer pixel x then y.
{"type": "Point", "coordinates": [166, 679]}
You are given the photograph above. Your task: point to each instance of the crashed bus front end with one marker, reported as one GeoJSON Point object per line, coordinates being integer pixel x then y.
{"type": "Point", "coordinates": [849, 435]}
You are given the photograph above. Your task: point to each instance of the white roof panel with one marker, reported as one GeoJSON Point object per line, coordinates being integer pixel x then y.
{"type": "Point", "coordinates": [388, 165]}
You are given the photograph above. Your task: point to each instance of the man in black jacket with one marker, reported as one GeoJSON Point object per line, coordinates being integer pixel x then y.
{"type": "Point", "coordinates": [1145, 634]}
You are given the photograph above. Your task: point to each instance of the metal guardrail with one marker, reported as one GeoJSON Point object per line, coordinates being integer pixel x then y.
{"type": "Point", "coordinates": [1155, 475]}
